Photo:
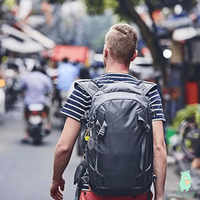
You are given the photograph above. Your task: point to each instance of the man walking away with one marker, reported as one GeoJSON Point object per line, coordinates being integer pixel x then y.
{"type": "Point", "coordinates": [119, 51]}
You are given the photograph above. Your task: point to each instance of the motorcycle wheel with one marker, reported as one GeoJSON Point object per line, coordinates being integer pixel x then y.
{"type": "Point", "coordinates": [36, 136]}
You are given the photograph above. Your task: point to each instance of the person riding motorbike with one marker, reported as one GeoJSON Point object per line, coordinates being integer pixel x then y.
{"type": "Point", "coordinates": [37, 87]}
{"type": "Point", "coordinates": [11, 72]}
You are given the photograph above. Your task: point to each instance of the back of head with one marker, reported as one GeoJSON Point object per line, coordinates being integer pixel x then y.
{"type": "Point", "coordinates": [38, 67]}
{"type": "Point", "coordinates": [65, 60]}
{"type": "Point", "coordinates": [121, 41]}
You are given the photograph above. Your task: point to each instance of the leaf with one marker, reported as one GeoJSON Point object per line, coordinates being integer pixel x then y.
{"type": "Point", "coordinates": [95, 7]}
{"type": "Point", "coordinates": [186, 113]}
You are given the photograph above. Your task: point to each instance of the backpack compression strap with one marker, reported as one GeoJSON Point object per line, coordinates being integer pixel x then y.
{"type": "Point", "coordinates": [146, 86]}
{"type": "Point", "coordinates": [88, 85]}
{"type": "Point", "coordinates": [92, 87]}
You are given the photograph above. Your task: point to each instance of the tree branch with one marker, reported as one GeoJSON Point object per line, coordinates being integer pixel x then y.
{"type": "Point", "coordinates": [127, 7]}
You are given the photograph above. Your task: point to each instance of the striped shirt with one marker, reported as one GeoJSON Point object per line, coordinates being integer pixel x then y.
{"type": "Point", "coordinates": [79, 102]}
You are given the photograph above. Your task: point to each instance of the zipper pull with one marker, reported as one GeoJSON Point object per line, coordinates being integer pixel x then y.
{"type": "Point", "coordinates": [86, 135]}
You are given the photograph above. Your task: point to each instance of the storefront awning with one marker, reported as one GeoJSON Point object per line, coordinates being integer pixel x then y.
{"type": "Point", "coordinates": [76, 53]}
{"type": "Point", "coordinates": [21, 42]}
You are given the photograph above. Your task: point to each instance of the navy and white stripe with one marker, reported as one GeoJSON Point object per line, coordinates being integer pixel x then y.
{"type": "Point", "coordinates": [79, 102]}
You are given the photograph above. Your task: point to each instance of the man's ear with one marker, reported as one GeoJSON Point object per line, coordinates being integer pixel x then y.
{"type": "Point", "coordinates": [105, 51]}
{"type": "Point", "coordinates": [134, 55]}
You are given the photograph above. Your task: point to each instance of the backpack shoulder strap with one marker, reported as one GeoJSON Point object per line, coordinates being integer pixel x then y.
{"type": "Point", "coordinates": [90, 86]}
{"type": "Point", "coordinates": [146, 86]}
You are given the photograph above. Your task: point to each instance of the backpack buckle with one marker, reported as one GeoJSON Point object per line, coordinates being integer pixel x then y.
{"type": "Point", "coordinates": [153, 112]}
{"type": "Point", "coordinates": [154, 178]}
{"type": "Point", "coordinates": [86, 115]}
{"type": "Point", "coordinates": [90, 125]}
{"type": "Point", "coordinates": [101, 133]}
{"type": "Point", "coordinates": [102, 129]}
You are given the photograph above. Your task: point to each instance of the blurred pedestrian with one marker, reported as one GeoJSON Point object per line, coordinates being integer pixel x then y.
{"type": "Point", "coordinates": [37, 88]}
{"type": "Point", "coordinates": [196, 161]}
{"type": "Point", "coordinates": [67, 73]}
{"type": "Point", "coordinates": [119, 51]}
{"type": "Point", "coordinates": [84, 73]}
{"type": "Point", "coordinates": [94, 71]}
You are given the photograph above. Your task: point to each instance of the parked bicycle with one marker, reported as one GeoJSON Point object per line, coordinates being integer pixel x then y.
{"type": "Point", "coordinates": [188, 130]}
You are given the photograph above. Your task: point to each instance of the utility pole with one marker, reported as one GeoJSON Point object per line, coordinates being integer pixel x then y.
{"type": "Point", "coordinates": [1, 2]}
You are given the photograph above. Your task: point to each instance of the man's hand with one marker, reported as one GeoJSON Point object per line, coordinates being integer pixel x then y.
{"type": "Point", "coordinates": [62, 156]}
{"type": "Point", "coordinates": [159, 198]}
{"type": "Point", "coordinates": [56, 188]}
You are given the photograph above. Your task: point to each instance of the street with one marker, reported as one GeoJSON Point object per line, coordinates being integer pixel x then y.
{"type": "Point", "coordinates": [26, 170]}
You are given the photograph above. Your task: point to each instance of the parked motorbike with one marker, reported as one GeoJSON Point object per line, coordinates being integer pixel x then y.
{"type": "Point", "coordinates": [53, 74]}
{"type": "Point", "coordinates": [12, 86]}
{"type": "Point", "coordinates": [36, 120]}
{"type": "Point", "coordinates": [185, 140]}
{"type": "Point", "coordinates": [188, 133]}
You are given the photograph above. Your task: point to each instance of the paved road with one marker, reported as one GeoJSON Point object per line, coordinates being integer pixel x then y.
{"type": "Point", "coordinates": [25, 170]}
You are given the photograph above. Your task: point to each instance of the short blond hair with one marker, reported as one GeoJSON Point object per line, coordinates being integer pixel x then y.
{"type": "Point", "coordinates": [121, 41]}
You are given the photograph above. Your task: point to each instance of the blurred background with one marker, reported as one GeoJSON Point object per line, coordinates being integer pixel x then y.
{"type": "Point", "coordinates": [53, 33]}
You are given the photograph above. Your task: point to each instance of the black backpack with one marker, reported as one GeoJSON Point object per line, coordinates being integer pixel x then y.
{"type": "Point", "coordinates": [119, 140]}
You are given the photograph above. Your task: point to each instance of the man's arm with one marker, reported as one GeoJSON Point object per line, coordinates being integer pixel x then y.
{"type": "Point", "coordinates": [62, 155]}
{"type": "Point", "coordinates": [160, 159]}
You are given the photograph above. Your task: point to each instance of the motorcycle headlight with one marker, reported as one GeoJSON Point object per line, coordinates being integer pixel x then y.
{"type": "Point", "coordinates": [2, 83]}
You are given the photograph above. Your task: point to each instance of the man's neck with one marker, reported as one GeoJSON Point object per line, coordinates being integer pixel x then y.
{"type": "Point", "coordinates": [117, 68]}
{"type": "Point", "coordinates": [118, 71]}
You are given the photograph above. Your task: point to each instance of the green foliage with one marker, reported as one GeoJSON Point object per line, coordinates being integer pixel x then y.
{"type": "Point", "coordinates": [61, 1]}
{"type": "Point", "coordinates": [155, 2]}
{"type": "Point", "coordinates": [98, 6]}
{"type": "Point", "coordinates": [95, 6]}
{"type": "Point", "coordinates": [188, 112]}
{"type": "Point", "coordinates": [9, 3]}
{"type": "Point", "coordinates": [111, 4]}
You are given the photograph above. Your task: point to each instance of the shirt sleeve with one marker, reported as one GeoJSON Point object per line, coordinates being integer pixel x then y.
{"type": "Point", "coordinates": [156, 105]}
{"type": "Point", "coordinates": [77, 104]}
{"type": "Point", "coordinates": [22, 84]}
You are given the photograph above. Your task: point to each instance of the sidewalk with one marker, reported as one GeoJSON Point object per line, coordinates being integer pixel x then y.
{"type": "Point", "coordinates": [180, 163]}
